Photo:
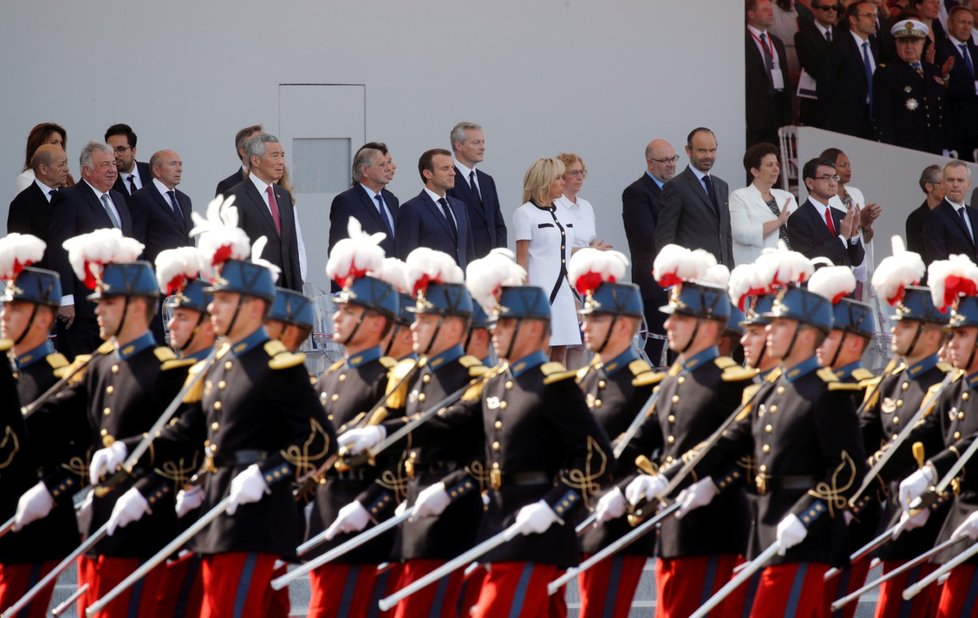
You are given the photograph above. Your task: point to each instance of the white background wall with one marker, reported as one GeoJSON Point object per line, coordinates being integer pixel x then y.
{"type": "Point", "coordinates": [599, 78]}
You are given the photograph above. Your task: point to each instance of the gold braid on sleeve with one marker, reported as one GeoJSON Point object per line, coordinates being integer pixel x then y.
{"type": "Point", "coordinates": [833, 492]}
{"type": "Point", "coordinates": [585, 481]}
{"type": "Point", "coordinates": [394, 481]}
{"type": "Point", "coordinates": [302, 459]}
{"type": "Point", "coordinates": [178, 471]}
{"type": "Point", "coordinates": [9, 447]}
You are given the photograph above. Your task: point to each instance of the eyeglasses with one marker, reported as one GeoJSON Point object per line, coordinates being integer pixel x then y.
{"type": "Point", "coordinates": [121, 149]}
{"type": "Point", "coordinates": [827, 7]}
{"type": "Point", "coordinates": [834, 177]}
{"type": "Point", "coordinates": [576, 173]}
{"type": "Point", "coordinates": [671, 159]}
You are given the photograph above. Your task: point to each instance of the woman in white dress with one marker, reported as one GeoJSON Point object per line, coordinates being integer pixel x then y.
{"type": "Point", "coordinates": [759, 212]}
{"type": "Point", "coordinates": [544, 232]}
{"type": "Point", "coordinates": [585, 228]}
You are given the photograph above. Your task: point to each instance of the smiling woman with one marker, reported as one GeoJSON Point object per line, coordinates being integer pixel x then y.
{"type": "Point", "coordinates": [759, 212]}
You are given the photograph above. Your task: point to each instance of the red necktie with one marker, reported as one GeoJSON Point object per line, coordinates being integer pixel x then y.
{"type": "Point", "coordinates": [273, 206]}
{"type": "Point", "coordinates": [828, 220]}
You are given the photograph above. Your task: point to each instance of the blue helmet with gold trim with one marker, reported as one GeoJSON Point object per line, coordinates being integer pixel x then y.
{"type": "Point", "coordinates": [126, 279]}
{"type": "Point", "coordinates": [292, 308]}
{"type": "Point", "coordinates": [801, 305]}
{"type": "Point", "coordinates": [34, 285]}
{"type": "Point", "coordinates": [245, 278]}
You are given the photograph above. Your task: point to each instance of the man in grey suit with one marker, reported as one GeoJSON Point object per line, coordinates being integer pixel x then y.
{"type": "Point", "coordinates": [693, 210]}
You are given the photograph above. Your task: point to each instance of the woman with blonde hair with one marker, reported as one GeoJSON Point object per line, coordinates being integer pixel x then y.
{"type": "Point", "coordinates": [582, 213]}
{"type": "Point", "coordinates": [544, 233]}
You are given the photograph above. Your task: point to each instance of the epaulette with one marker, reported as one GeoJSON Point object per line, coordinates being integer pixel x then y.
{"type": "Point", "coordinates": [845, 386]}
{"type": "Point", "coordinates": [725, 361]}
{"type": "Point", "coordinates": [57, 360]}
{"type": "Point", "coordinates": [6, 344]}
{"type": "Point", "coordinates": [748, 393]}
{"type": "Point", "coordinates": [224, 349]}
{"type": "Point", "coordinates": [106, 348]}
{"type": "Point", "coordinates": [387, 361]}
{"type": "Point", "coordinates": [176, 363]}
{"type": "Point", "coordinates": [336, 365]}
{"type": "Point", "coordinates": [899, 368]}
{"type": "Point", "coordinates": [474, 392]}
{"type": "Point", "coordinates": [827, 374]}
{"type": "Point", "coordinates": [649, 378]}
{"type": "Point", "coordinates": [281, 358]}
{"type": "Point", "coordinates": [397, 385]}
{"type": "Point", "coordinates": [862, 374]}
{"type": "Point", "coordinates": [477, 371]}
{"type": "Point", "coordinates": [555, 372]}
{"type": "Point", "coordinates": [945, 367]}
{"type": "Point", "coordinates": [872, 390]}
{"type": "Point", "coordinates": [773, 375]}
{"type": "Point", "coordinates": [583, 371]}
{"type": "Point", "coordinates": [467, 360]}
{"type": "Point", "coordinates": [736, 373]}
{"type": "Point", "coordinates": [163, 353]}
{"type": "Point", "coordinates": [958, 374]}
{"type": "Point", "coordinates": [81, 359]}
{"type": "Point", "coordinates": [639, 366]}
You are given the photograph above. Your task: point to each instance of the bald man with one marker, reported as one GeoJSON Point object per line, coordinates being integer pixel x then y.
{"type": "Point", "coordinates": [640, 212]}
{"type": "Point", "coordinates": [30, 210]}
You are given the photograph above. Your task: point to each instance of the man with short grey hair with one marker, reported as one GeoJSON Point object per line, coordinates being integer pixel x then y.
{"type": "Point", "coordinates": [950, 228]}
{"type": "Point", "coordinates": [367, 201]}
{"type": "Point", "coordinates": [476, 188]}
{"type": "Point", "coordinates": [87, 206]}
{"type": "Point", "coordinates": [266, 209]}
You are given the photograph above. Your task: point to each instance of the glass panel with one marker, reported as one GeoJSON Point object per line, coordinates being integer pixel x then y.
{"type": "Point", "coordinates": [321, 165]}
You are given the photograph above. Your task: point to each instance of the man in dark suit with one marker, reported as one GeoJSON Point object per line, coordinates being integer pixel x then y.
{"type": "Point", "coordinates": [962, 90]}
{"type": "Point", "coordinates": [241, 147]}
{"type": "Point", "coordinates": [265, 209]}
{"type": "Point", "coordinates": [950, 228]}
{"type": "Point", "coordinates": [844, 86]}
{"type": "Point", "coordinates": [694, 210]}
{"type": "Point", "coordinates": [476, 189]}
{"type": "Point", "coordinates": [818, 230]}
{"type": "Point", "coordinates": [812, 44]}
{"type": "Point", "coordinates": [161, 215]}
{"type": "Point", "coordinates": [640, 212]}
{"type": "Point", "coordinates": [768, 100]}
{"type": "Point", "coordinates": [133, 175]}
{"type": "Point", "coordinates": [433, 219]}
{"type": "Point", "coordinates": [30, 211]}
{"type": "Point", "coordinates": [367, 201]}
{"type": "Point", "coordinates": [90, 205]}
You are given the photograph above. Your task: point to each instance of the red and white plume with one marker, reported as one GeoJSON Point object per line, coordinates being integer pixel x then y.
{"type": "Point", "coordinates": [485, 277]}
{"type": "Point", "coordinates": [782, 267]}
{"type": "Point", "coordinates": [590, 267]}
{"type": "Point", "coordinates": [220, 237]}
{"type": "Point", "coordinates": [746, 280]}
{"type": "Point", "coordinates": [355, 256]}
{"type": "Point", "coordinates": [717, 275]}
{"type": "Point", "coordinates": [425, 266]}
{"type": "Point", "coordinates": [950, 279]}
{"type": "Point", "coordinates": [676, 264]}
{"type": "Point", "coordinates": [394, 272]}
{"type": "Point", "coordinates": [896, 272]}
{"type": "Point", "coordinates": [256, 250]}
{"type": "Point", "coordinates": [176, 267]}
{"type": "Point", "coordinates": [833, 283]}
{"type": "Point", "coordinates": [88, 253]}
{"type": "Point", "coordinates": [17, 252]}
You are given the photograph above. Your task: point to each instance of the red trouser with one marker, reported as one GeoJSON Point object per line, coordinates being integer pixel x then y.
{"type": "Point", "coordinates": [17, 579]}
{"type": "Point", "coordinates": [960, 593]}
{"type": "Point", "coordinates": [891, 604]}
{"type": "Point", "coordinates": [791, 590]}
{"type": "Point", "coordinates": [683, 584]}
{"type": "Point", "coordinates": [185, 588]}
{"type": "Point", "coordinates": [237, 585]}
{"type": "Point", "coordinates": [607, 588]}
{"type": "Point", "coordinates": [471, 588]}
{"type": "Point", "coordinates": [340, 590]}
{"type": "Point", "coordinates": [516, 589]}
{"type": "Point", "coordinates": [846, 582]}
{"type": "Point", "coordinates": [437, 600]}
{"type": "Point", "coordinates": [103, 573]}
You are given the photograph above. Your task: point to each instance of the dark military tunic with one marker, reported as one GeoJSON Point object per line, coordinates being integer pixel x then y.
{"type": "Point", "coordinates": [806, 442]}
{"type": "Point", "coordinates": [121, 395]}
{"type": "Point", "coordinates": [901, 394]}
{"type": "Point", "coordinates": [909, 109]}
{"type": "Point", "coordinates": [349, 390]}
{"type": "Point", "coordinates": [54, 536]}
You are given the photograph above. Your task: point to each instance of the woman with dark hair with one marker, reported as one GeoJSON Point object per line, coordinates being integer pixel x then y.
{"type": "Point", "coordinates": [759, 212]}
{"type": "Point", "coordinates": [44, 133]}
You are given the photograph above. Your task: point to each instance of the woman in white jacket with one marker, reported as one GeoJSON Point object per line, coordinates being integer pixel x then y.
{"type": "Point", "coordinates": [759, 212]}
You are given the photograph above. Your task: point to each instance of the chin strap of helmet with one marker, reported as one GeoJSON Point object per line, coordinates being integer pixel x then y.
{"type": "Point", "coordinates": [27, 328]}
{"type": "Point", "coordinates": [512, 340]}
{"type": "Point", "coordinates": [692, 336]}
{"type": "Point", "coordinates": [607, 335]}
{"type": "Point", "coordinates": [791, 344]}
{"type": "Point", "coordinates": [916, 336]}
{"type": "Point", "coordinates": [356, 328]}
{"type": "Point", "coordinates": [193, 333]}
{"type": "Point", "coordinates": [431, 342]}
{"type": "Point", "coordinates": [838, 349]}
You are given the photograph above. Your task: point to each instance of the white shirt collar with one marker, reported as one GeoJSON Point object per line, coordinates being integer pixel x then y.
{"type": "Point", "coordinates": [757, 32]}
{"type": "Point", "coordinates": [162, 188]}
{"type": "Point", "coordinates": [98, 193]}
{"type": "Point", "coordinates": [699, 174]}
{"type": "Point", "coordinates": [370, 192]}
{"type": "Point", "coordinates": [859, 41]}
{"type": "Point", "coordinates": [466, 170]}
{"type": "Point", "coordinates": [434, 196]}
{"type": "Point", "coordinates": [957, 207]}
{"type": "Point", "coordinates": [260, 184]}
{"type": "Point", "coordinates": [46, 190]}
{"type": "Point", "coordinates": [957, 44]}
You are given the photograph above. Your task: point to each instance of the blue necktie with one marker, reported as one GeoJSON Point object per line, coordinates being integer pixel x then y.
{"type": "Point", "coordinates": [388, 223]}
{"type": "Point", "coordinates": [868, 66]}
{"type": "Point", "coordinates": [967, 58]}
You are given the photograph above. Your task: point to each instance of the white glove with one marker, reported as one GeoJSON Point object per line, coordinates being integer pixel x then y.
{"type": "Point", "coordinates": [698, 494]}
{"type": "Point", "coordinates": [351, 518]}
{"type": "Point", "coordinates": [130, 507]}
{"type": "Point", "coordinates": [916, 484]}
{"type": "Point", "coordinates": [84, 510]}
{"type": "Point", "coordinates": [189, 499]}
{"type": "Point", "coordinates": [610, 506]}
{"type": "Point", "coordinates": [432, 501]}
{"type": "Point", "coordinates": [33, 505]}
{"type": "Point", "coordinates": [908, 522]}
{"type": "Point", "coordinates": [645, 487]}
{"type": "Point", "coordinates": [401, 508]}
{"type": "Point", "coordinates": [362, 439]}
{"type": "Point", "coordinates": [790, 532]}
{"type": "Point", "coordinates": [249, 486]}
{"type": "Point", "coordinates": [536, 518]}
{"type": "Point", "coordinates": [969, 528]}
{"type": "Point", "coordinates": [106, 460]}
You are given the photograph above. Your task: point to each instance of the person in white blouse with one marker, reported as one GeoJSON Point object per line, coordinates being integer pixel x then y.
{"type": "Point", "coordinates": [585, 228]}
{"type": "Point", "coordinates": [544, 232]}
{"type": "Point", "coordinates": [759, 212]}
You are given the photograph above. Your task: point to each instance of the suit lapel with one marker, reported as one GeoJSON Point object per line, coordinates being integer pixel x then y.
{"type": "Point", "coordinates": [252, 191]}
{"type": "Point", "coordinates": [700, 190]}
{"type": "Point", "coordinates": [436, 212]}
{"type": "Point", "coordinates": [96, 205]}
{"type": "Point", "coordinates": [370, 206]}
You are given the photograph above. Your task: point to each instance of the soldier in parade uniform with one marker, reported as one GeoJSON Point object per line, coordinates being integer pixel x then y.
{"type": "Point", "coordinates": [909, 94]}
{"type": "Point", "coordinates": [399, 342]}
{"type": "Point", "coordinates": [353, 391]}
{"type": "Point", "coordinates": [291, 319]}
{"type": "Point", "coordinates": [805, 440]}
{"type": "Point", "coordinates": [917, 337]}
{"type": "Point", "coordinates": [442, 310]}
{"type": "Point", "coordinates": [698, 551]}
{"type": "Point", "coordinates": [119, 396]}
{"type": "Point", "coordinates": [478, 342]}
{"type": "Point", "coordinates": [953, 282]}
{"type": "Point", "coordinates": [190, 328]}
{"type": "Point", "coordinates": [29, 447]}
{"type": "Point", "coordinates": [616, 385]}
